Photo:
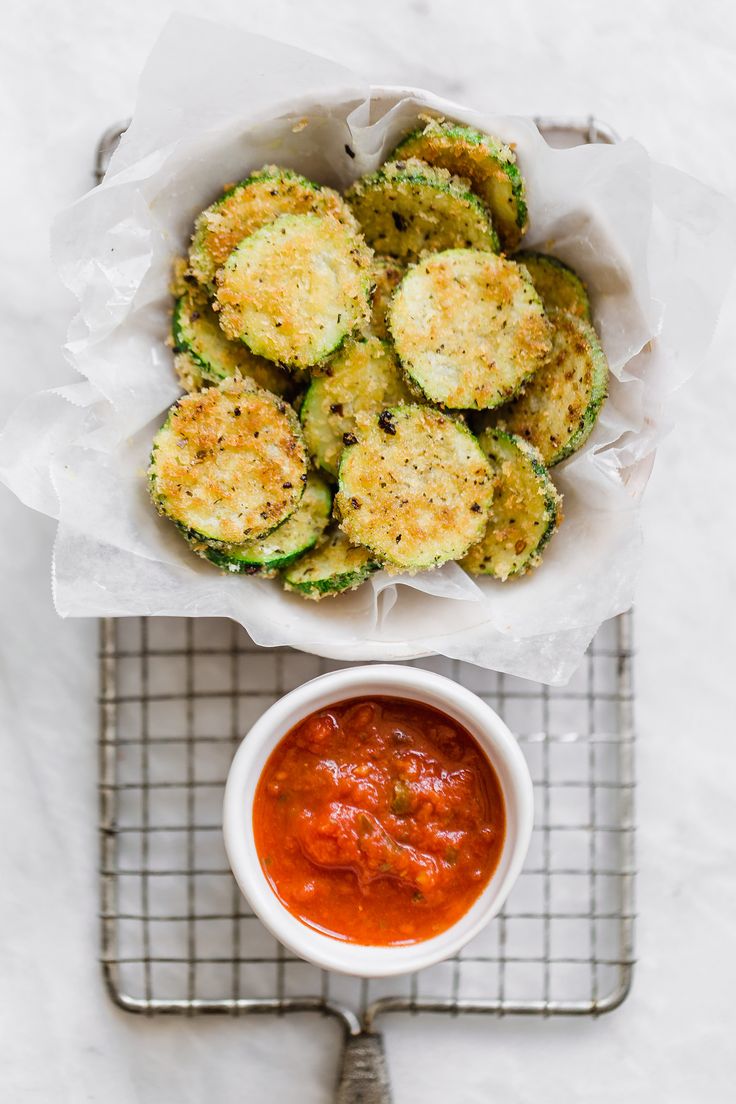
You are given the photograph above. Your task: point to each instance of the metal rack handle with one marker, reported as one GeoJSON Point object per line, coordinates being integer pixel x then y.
{"type": "Point", "coordinates": [364, 1075]}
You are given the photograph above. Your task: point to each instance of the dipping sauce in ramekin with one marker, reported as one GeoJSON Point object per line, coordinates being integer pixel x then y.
{"type": "Point", "coordinates": [378, 820]}
{"type": "Point", "coordinates": [377, 817]}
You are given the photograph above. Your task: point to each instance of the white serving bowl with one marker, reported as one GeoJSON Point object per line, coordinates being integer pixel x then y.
{"type": "Point", "coordinates": [389, 681]}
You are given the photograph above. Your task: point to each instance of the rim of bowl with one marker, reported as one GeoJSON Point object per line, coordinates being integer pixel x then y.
{"type": "Point", "coordinates": [390, 680]}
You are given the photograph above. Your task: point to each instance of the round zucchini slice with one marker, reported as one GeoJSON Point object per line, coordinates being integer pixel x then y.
{"type": "Point", "coordinates": [295, 289]}
{"type": "Point", "coordinates": [486, 162]}
{"type": "Point", "coordinates": [560, 405]}
{"type": "Point", "coordinates": [525, 511]}
{"type": "Point", "coordinates": [387, 275]}
{"type": "Point", "coordinates": [408, 208]}
{"type": "Point", "coordinates": [468, 328]}
{"type": "Point", "coordinates": [415, 489]}
{"type": "Point", "coordinates": [332, 568]}
{"type": "Point", "coordinates": [362, 379]}
{"type": "Point", "coordinates": [196, 332]}
{"type": "Point", "coordinates": [228, 464]}
{"type": "Point", "coordinates": [558, 286]}
{"type": "Point", "coordinates": [285, 544]}
{"type": "Point", "coordinates": [251, 204]}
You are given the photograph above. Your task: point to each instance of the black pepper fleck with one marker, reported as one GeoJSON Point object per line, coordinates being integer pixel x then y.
{"type": "Point", "coordinates": [385, 422]}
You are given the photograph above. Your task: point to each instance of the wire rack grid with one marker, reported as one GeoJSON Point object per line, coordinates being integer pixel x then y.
{"type": "Point", "coordinates": [177, 696]}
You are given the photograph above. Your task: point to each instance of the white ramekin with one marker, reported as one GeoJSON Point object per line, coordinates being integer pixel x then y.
{"type": "Point", "coordinates": [353, 682]}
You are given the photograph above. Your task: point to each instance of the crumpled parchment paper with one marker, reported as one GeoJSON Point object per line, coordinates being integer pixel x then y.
{"type": "Point", "coordinates": [653, 245]}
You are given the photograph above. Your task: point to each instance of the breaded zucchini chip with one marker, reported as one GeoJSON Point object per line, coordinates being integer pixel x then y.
{"type": "Point", "coordinates": [486, 162]}
{"type": "Point", "coordinates": [560, 404]}
{"type": "Point", "coordinates": [251, 204]}
{"type": "Point", "coordinates": [229, 464]}
{"type": "Point", "coordinates": [295, 289]}
{"type": "Point", "coordinates": [387, 275]}
{"type": "Point", "coordinates": [362, 379]}
{"type": "Point", "coordinates": [286, 543]}
{"type": "Point", "coordinates": [468, 328]}
{"type": "Point", "coordinates": [525, 512]}
{"type": "Point", "coordinates": [408, 208]}
{"type": "Point", "coordinates": [197, 334]}
{"type": "Point", "coordinates": [558, 286]}
{"type": "Point", "coordinates": [415, 488]}
{"type": "Point", "coordinates": [330, 569]}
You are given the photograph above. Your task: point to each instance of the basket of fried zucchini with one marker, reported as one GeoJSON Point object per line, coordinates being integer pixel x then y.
{"type": "Point", "coordinates": [377, 380]}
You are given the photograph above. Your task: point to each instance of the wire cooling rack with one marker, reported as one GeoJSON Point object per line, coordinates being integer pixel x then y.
{"type": "Point", "coordinates": [177, 937]}
{"type": "Point", "coordinates": [177, 697]}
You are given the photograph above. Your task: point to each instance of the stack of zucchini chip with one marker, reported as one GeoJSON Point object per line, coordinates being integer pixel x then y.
{"type": "Point", "coordinates": [438, 373]}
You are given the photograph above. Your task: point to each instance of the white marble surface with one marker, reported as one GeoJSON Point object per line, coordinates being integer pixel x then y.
{"type": "Point", "coordinates": [662, 72]}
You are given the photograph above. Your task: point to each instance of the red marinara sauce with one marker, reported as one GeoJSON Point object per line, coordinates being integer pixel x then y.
{"type": "Point", "coordinates": [378, 821]}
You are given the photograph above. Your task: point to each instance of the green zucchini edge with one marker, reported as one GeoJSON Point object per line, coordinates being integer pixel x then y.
{"type": "Point", "coordinates": [245, 559]}
{"type": "Point", "coordinates": [598, 395]}
{"type": "Point", "coordinates": [496, 150]}
{"type": "Point", "coordinates": [570, 274]}
{"type": "Point", "coordinates": [337, 583]}
{"type": "Point", "coordinates": [552, 497]}
{"type": "Point", "coordinates": [449, 186]}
